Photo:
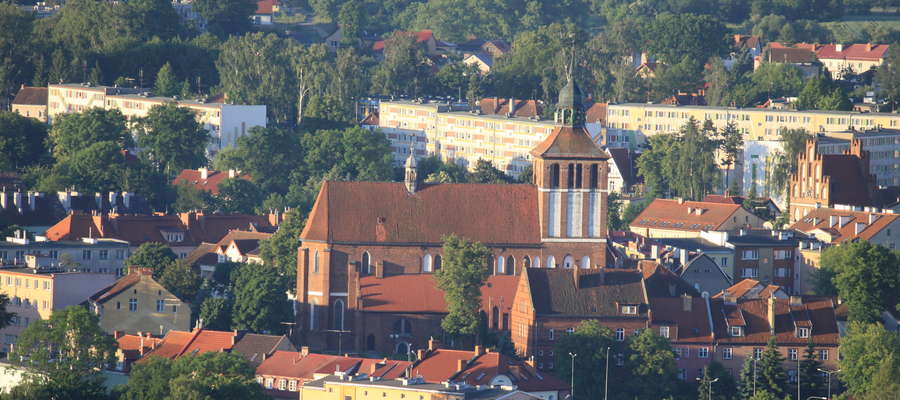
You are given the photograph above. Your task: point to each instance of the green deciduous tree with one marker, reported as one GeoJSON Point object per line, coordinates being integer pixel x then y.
{"type": "Point", "coordinates": [719, 380]}
{"type": "Point", "coordinates": [153, 255]}
{"type": "Point", "coordinates": [731, 144]}
{"type": "Point", "coordinates": [866, 349]}
{"type": "Point", "coordinates": [464, 271]}
{"type": "Point", "coordinates": [280, 250]}
{"type": "Point", "coordinates": [793, 141]}
{"type": "Point", "coordinates": [589, 343]}
{"type": "Point", "coordinates": [71, 133]}
{"type": "Point", "coordinates": [14, 47]}
{"type": "Point", "coordinates": [226, 17]}
{"type": "Point", "coordinates": [212, 375]}
{"type": "Point", "coordinates": [866, 276]}
{"type": "Point", "coordinates": [165, 84]}
{"type": "Point", "coordinates": [238, 196]}
{"type": "Point", "coordinates": [171, 138]}
{"type": "Point", "coordinates": [404, 69]}
{"type": "Point", "coordinates": [651, 359]}
{"type": "Point", "coordinates": [675, 36]}
{"type": "Point", "coordinates": [22, 142]}
{"type": "Point", "coordinates": [256, 69]}
{"type": "Point", "coordinates": [216, 313]}
{"type": "Point", "coordinates": [189, 198]}
{"type": "Point", "coordinates": [267, 154]}
{"type": "Point", "coordinates": [486, 172]}
{"type": "Point", "coordinates": [181, 279]}
{"type": "Point", "coordinates": [66, 354]}
{"type": "Point", "coordinates": [887, 77]}
{"type": "Point", "coordinates": [260, 302]}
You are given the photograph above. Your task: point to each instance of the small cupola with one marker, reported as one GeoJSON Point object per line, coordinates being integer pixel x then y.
{"type": "Point", "coordinates": [411, 176]}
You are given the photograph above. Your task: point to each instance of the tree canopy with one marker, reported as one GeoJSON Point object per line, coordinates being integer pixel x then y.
{"type": "Point", "coordinates": [171, 138]}
{"type": "Point", "coordinates": [865, 275]}
{"type": "Point", "coordinates": [464, 270]}
{"type": "Point", "coordinates": [211, 375]}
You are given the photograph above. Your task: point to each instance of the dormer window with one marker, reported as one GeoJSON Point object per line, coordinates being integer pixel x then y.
{"type": "Point", "coordinates": [173, 236]}
{"type": "Point", "coordinates": [736, 331]}
{"type": "Point", "coordinates": [664, 331]}
{"type": "Point", "coordinates": [802, 333]}
{"type": "Point", "coordinates": [629, 310]}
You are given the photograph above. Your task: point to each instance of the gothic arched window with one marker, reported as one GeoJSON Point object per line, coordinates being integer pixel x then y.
{"type": "Point", "coordinates": [426, 263]}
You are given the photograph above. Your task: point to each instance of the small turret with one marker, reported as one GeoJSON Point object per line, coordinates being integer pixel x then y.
{"type": "Point", "coordinates": [411, 174]}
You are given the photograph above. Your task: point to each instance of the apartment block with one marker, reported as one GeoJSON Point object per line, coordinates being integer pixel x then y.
{"type": "Point", "coordinates": [461, 136]}
{"type": "Point", "coordinates": [102, 256]}
{"type": "Point", "coordinates": [225, 122]}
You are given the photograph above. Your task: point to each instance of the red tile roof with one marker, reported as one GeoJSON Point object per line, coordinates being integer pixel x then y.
{"type": "Point", "coordinates": [421, 36]}
{"type": "Point", "coordinates": [858, 52]}
{"type": "Point", "coordinates": [31, 96]}
{"type": "Point", "coordinates": [819, 312]}
{"type": "Point", "coordinates": [371, 119]}
{"type": "Point", "coordinates": [500, 106]}
{"type": "Point", "coordinates": [193, 178]}
{"type": "Point", "coordinates": [746, 41]}
{"type": "Point", "coordinates": [675, 215]}
{"type": "Point", "coordinates": [139, 229]}
{"type": "Point", "coordinates": [569, 142]}
{"type": "Point", "coordinates": [178, 343]}
{"type": "Point", "coordinates": [294, 365]}
{"type": "Point", "coordinates": [134, 346]}
{"type": "Point", "coordinates": [790, 55]}
{"type": "Point", "coordinates": [441, 365]}
{"type": "Point", "coordinates": [721, 198]}
{"type": "Point", "coordinates": [849, 184]}
{"type": "Point", "coordinates": [596, 113]}
{"type": "Point", "coordinates": [265, 6]}
{"type": "Point", "coordinates": [821, 219]}
{"type": "Point", "coordinates": [692, 324]}
{"type": "Point", "coordinates": [751, 289]}
{"type": "Point", "coordinates": [419, 293]}
{"type": "Point", "coordinates": [385, 212]}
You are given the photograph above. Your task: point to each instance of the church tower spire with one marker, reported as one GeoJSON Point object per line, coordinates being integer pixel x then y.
{"type": "Point", "coordinates": [570, 106]}
{"type": "Point", "coordinates": [412, 175]}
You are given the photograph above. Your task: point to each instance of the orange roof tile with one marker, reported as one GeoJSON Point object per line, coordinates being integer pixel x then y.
{"type": "Point", "coordinates": [674, 215]}
{"type": "Point", "coordinates": [419, 293]}
{"type": "Point", "coordinates": [569, 142]}
{"type": "Point", "coordinates": [421, 36]}
{"type": "Point", "coordinates": [194, 178]}
{"type": "Point", "coordinates": [843, 227]}
{"type": "Point", "coordinates": [820, 314]}
{"type": "Point", "coordinates": [294, 365]}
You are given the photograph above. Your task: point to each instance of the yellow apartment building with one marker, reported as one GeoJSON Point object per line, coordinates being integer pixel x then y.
{"type": "Point", "coordinates": [361, 387]}
{"type": "Point", "coordinates": [35, 292]}
{"type": "Point", "coordinates": [225, 122]}
{"type": "Point", "coordinates": [460, 136]}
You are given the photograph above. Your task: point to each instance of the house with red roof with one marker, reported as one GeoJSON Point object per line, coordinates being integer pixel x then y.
{"type": "Point", "coordinates": [236, 246]}
{"type": "Point", "coordinates": [265, 11]}
{"type": "Point", "coordinates": [679, 218]}
{"type": "Point", "coordinates": [369, 249]}
{"type": "Point", "coordinates": [424, 38]}
{"type": "Point", "coordinates": [130, 348]}
{"type": "Point", "coordinates": [205, 179]}
{"type": "Point", "coordinates": [857, 58]}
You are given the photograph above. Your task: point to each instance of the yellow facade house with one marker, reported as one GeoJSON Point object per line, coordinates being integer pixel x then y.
{"type": "Point", "coordinates": [361, 387]}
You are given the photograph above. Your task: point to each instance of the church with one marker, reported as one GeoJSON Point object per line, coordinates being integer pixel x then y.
{"type": "Point", "coordinates": [368, 250]}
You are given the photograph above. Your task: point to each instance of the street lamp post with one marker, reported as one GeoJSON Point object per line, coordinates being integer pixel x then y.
{"type": "Point", "coordinates": [827, 372]}
{"type": "Point", "coordinates": [606, 380]}
{"type": "Point", "coordinates": [709, 389]}
{"type": "Point", "coordinates": [572, 382]}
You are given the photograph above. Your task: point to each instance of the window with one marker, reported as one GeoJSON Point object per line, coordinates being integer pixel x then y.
{"type": "Point", "coordinates": [551, 262]}
{"type": "Point", "coordinates": [103, 254]}
{"type": "Point", "coordinates": [118, 305]}
{"type": "Point", "coordinates": [792, 354]}
{"type": "Point", "coordinates": [757, 353]}
{"type": "Point", "coordinates": [677, 351]}
{"type": "Point", "coordinates": [551, 334]}
{"type": "Point", "coordinates": [781, 272]}
{"type": "Point", "coordinates": [750, 254]}
{"type": "Point", "coordinates": [629, 310]}
{"type": "Point", "coordinates": [823, 355]}
{"type": "Point", "coordinates": [782, 254]}
{"type": "Point", "coordinates": [120, 254]}
{"type": "Point", "coordinates": [426, 263]}
{"type": "Point", "coordinates": [735, 331]}
{"type": "Point", "coordinates": [366, 266]}
{"type": "Point", "coordinates": [703, 352]}
{"type": "Point", "coordinates": [620, 334]}
{"type": "Point", "coordinates": [570, 331]}
{"type": "Point", "coordinates": [160, 305]}
{"type": "Point", "coordinates": [132, 305]}
{"type": "Point", "coordinates": [682, 374]}
{"type": "Point", "coordinates": [664, 331]}
{"type": "Point", "coordinates": [726, 353]}
{"type": "Point", "coordinates": [749, 272]}
{"type": "Point", "coordinates": [802, 332]}
{"type": "Point", "coordinates": [269, 383]}
{"type": "Point", "coordinates": [338, 322]}
{"type": "Point", "coordinates": [501, 265]}
{"type": "Point", "coordinates": [316, 262]}
{"type": "Point", "coordinates": [85, 254]}
{"type": "Point", "coordinates": [292, 386]}
{"type": "Point", "coordinates": [282, 384]}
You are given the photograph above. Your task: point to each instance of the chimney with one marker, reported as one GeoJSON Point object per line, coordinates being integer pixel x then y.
{"type": "Point", "coordinates": [232, 173]}
{"type": "Point", "coordinates": [142, 343]}
{"type": "Point", "coordinates": [796, 301]}
{"type": "Point", "coordinates": [868, 46]}
{"type": "Point", "coordinates": [126, 199]}
{"type": "Point", "coordinates": [575, 277]}
{"type": "Point", "coordinates": [687, 303]}
{"type": "Point", "coordinates": [654, 252]}
{"type": "Point", "coordinates": [771, 314]}
{"type": "Point", "coordinates": [304, 351]}
{"type": "Point", "coordinates": [64, 197]}
{"type": "Point", "coordinates": [839, 47]}
{"type": "Point", "coordinates": [680, 200]}
{"type": "Point", "coordinates": [234, 337]}
{"type": "Point", "coordinates": [17, 199]}
{"type": "Point", "coordinates": [512, 106]}
{"type": "Point", "coordinates": [99, 198]}
{"type": "Point", "coordinates": [379, 269]}
{"type": "Point", "coordinates": [479, 350]}
{"type": "Point", "coordinates": [420, 354]}
{"type": "Point", "coordinates": [683, 256]}
{"type": "Point", "coordinates": [496, 105]}
{"type": "Point", "coordinates": [117, 334]}
{"type": "Point", "coordinates": [204, 173]}
{"type": "Point", "coordinates": [31, 200]}
{"type": "Point", "coordinates": [112, 199]}
{"type": "Point", "coordinates": [460, 365]}
{"type": "Point", "coordinates": [3, 199]}
{"type": "Point", "coordinates": [832, 220]}
{"type": "Point", "coordinates": [372, 368]}
{"type": "Point", "coordinates": [433, 344]}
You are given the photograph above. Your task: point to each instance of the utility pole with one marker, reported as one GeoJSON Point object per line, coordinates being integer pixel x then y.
{"type": "Point", "coordinates": [572, 376]}
{"type": "Point", "coordinates": [606, 380]}
{"type": "Point", "coordinates": [754, 375]}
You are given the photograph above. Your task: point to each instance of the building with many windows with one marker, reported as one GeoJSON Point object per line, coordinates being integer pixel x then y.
{"type": "Point", "coordinates": [102, 256]}
{"type": "Point", "coordinates": [225, 122]}
{"type": "Point", "coordinates": [138, 303]}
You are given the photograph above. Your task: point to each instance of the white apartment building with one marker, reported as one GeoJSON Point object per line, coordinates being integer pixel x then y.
{"type": "Point", "coordinates": [461, 136]}
{"type": "Point", "coordinates": [225, 122]}
{"type": "Point", "coordinates": [89, 255]}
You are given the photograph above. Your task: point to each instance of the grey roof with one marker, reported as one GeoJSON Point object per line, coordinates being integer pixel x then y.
{"type": "Point", "coordinates": [570, 95]}
{"type": "Point", "coordinates": [696, 244]}
{"type": "Point", "coordinates": [553, 291]}
{"type": "Point", "coordinates": [254, 346]}
{"type": "Point", "coordinates": [762, 238]}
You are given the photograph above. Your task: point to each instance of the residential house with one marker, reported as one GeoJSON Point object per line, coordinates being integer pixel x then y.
{"type": "Point", "coordinates": [493, 48]}
{"type": "Point", "coordinates": [484, 367]}
{"type": "Point", "coordinates": [207, 180]}
{"type": "Point", "coordinates": [35, 291]}
{"type": "Point", "coordinates": [482, 61]}
{"type": "Point", "coordinates": [342, 386]}
{"type": "Point", "coordinates": [511, 107]}
{"type": "Point", "coordinates": [750, 289]}
{"type": "Point", "coordinates": [361, 234]}
{"type": "Point", "coordinates": [753, 44]}
{"type": "Point", "coordinates": [595, 123]}
{"type": "Point", "coordinates": [182, 232]}
{"type": "Point", "coordinates": [685, 321]}
{"type": "Point", "coordinates": [674, 218]}
{"type": "Point", "coordinates": [236, 246]}
{"type": "Point", "coordinates": [197, 341]}
{"type": "Point", "coordinates": [138, 303]}
{"type": "Point", "coordinates": [841, 59]}
{"type": "Point", "coordinates": [131, 348]}
{"type": "Point", "coordinates": [265, 11]}
{"type": "Point", "coordinates": [31, 102]}
{"type": "Point", "coordinates": [804, 59]}
{"type": "Point", "coordinates": [102, 256]}
{"type": "Point", "coordinates": [767, 255]}
{"type": "Point", "coordinates": [284, 373]}
{"type": "Point", "coordinates": [685, 99]}
{"type": "Point", "coordinates": [256, 348]}
{"type": "Point", "coordinates": [678, 254]}
{"type": "Point", "coordinates": [705, 274]}
{"type": "Point", "coordinates": [423, 37]}
{"type": "Point", "coordinates": [621, 170]}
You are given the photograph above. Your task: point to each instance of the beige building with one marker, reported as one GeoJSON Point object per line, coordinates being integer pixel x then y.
{"type": "Point", "coordinates": [31, 102]}
{"type": "Point", "coordinates": [34, 293]}
{"type": "Point", "coordinates": [759, 124]}
{"type": "Point", "coordinates": [137, 303]}
{"type": "Point", "coordinates": [461, 136]}
{"type": "Point", "coordinates": [225, 122]}
{"type": "Point", "coordinates": [677, 218]}
{"type": "Point", "coordinates": [103, 256]}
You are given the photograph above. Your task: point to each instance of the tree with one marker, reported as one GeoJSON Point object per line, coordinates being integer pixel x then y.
{"type": "Point", "coordinates": [887, 77]}
{"type": "Point", "coordinates": [326, 10]}
{"type": "Point", "coordinates": [189, 198]}
{"type": "Point", "coordinates": [267, 154]}
{"type": "Point", "coordinates": [866, 349]}
{"type": "Point", "coordinates": [486, 172]}
{"type": "Point", "coordinates": [750, 379]}
{"type": "Point", "coordinates": [5, 316]}
{"type": "Point", "coordinates": [257, 69]}
{"type": "Point", "coordinates": [66, 354]}
{"type": "Point", "coordinates": [239, 196]}
{"type": "Point", "coordinates": [351, 19]}
{"type": "Point", "coordinates": [216, 313]}
{"type": "Point", "coordinates": [793, 141]}
{"type": "Point", "coordinates": [15, 38]}
{"type": "Point", "coordinates": [226, 17]}
{"type": "Point", "coordinates": [719, 380]}
{"type": "Point", "coordinates": [589, 342]}
{"type": "Point", "coordinates": [771, 373]}
{"type": "Point", "coordinates": [614, 213]}
{"type": "Point", "coordinates": [21, 142]}
{"type": "Point", "coordinates": [651, 359]}
{"type": "Point", "coordinates": [172, 138]}
{"type": "Point", "coordinates": [866, 275]}
{"type": "Point", "coordinates": [811, 381]}
{"type": "Point", "coordinates": [464, 271]}
{"type": "Point", "coordinates": [71, 133]}
{"type": "Point", "coordinates": [211, 375]}
{"type": "Point", "coordinates": [731, 144]}
{"type": "Point", "coordinates": [165, 84]}
{"type": "Point", "coordinates": [684, 76]}
{"type": "Point", "coordinates": [181, 279]}
{"type": "Point", "coordinates": [260, 303]}
{"type": "Point", "coordinates": [675, 36]}
{"type": "Point", "coordinates": [280, 250]}
{"type": "Point", "coordinates": [404, 69]}
{"type": "Point", "coordinates": [153, 255]}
